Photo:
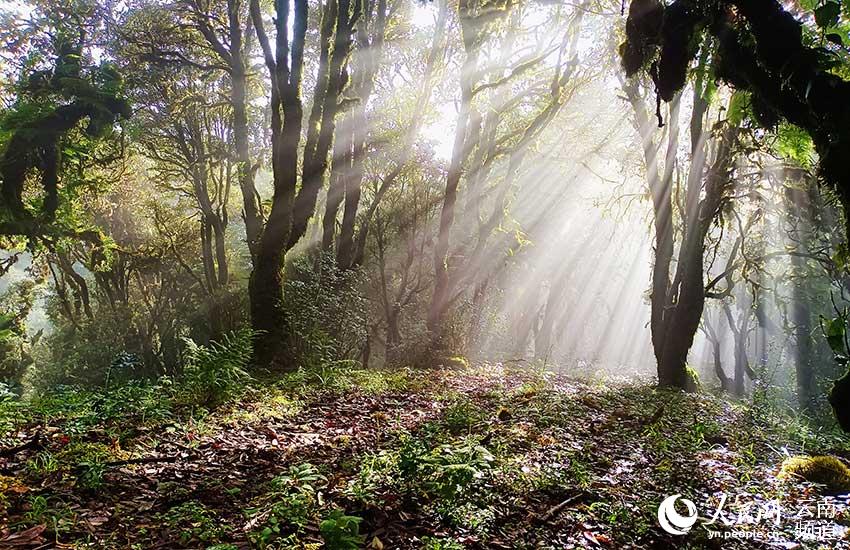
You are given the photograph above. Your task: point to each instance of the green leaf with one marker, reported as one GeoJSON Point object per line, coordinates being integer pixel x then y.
{"type": "Point", "coordinates": [827, 14]}
{"type": "Point", "coordinates": [834, 332]}
{"type": "Point", "coordinates": [739, 105]}
{"type": "Point", "coordinates": [835, 39]}
{"type": "Point", "coordinates": [6, 321]}
{"type": "Point", "coordinates": [841, 258]}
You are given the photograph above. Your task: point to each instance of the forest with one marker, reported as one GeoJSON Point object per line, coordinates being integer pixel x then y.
{"type": "Point", "coordinates": [424, 274]}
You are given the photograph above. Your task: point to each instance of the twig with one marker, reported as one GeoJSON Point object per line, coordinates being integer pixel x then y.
{"type": "Point", "coordinates": [555, 509]}
{"type": "Point", "coordinates": [145, 460]}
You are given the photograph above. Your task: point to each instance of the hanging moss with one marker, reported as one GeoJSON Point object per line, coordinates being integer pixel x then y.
{"type": "Point", "coordinates": [825, 470]}
{"type": "Point", "coordinates": [35, 145]}
{"type": "Point", "coordinates": [679, 45]}
{"type": "Point", "coordinates": [643, 34]}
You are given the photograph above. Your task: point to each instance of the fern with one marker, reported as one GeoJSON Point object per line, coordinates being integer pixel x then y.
{"type": "Point", "coordinates": [214, 373]}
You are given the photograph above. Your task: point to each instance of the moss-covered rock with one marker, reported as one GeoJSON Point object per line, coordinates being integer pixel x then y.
{"type": "Point", "coordinates": [825, 470]}
{"type": "Point", "coordinates": [454, 362]}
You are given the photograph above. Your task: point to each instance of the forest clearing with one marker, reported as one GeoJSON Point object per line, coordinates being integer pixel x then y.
{"type": "Point", "coordinates": [482, 457]}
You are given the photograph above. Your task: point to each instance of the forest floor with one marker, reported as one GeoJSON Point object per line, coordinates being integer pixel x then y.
{"type": "Point", "coordinates": [445, 459]}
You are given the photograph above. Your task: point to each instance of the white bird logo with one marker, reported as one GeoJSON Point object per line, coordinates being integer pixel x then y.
{"type": "Point", "coordinates": [671, 521]}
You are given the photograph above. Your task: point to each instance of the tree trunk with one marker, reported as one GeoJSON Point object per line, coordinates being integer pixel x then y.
{"type": "Point", "coordinates": [340, 173]}
{"type": "Point", "coordinates": [801, 315]}
{"type": "Point", "coordinates": [351, 189]}
{"type": "Point", "coordinates": [543, 344]}
{"type": "Point", "coordinates": [251, 209]}
{"type": "Point", "coordinates": [290, 213]}
{"type": "Point", "coordinates": [460, 150]}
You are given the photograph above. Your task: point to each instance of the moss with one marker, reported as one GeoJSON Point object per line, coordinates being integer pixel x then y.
{"type": "Point", "coordinates": [643, 29]}
{"type": "Point", "coordinates": [825, 470]}
{"type": "Point", "coordinates": [454, 362]}
{"type": "Point", "coordinates": [88, 452]}
{"type": "Point", "coordinates": [692, 384]}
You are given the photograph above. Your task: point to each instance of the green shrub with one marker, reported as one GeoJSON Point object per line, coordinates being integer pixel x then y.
{"type": "Point", "coordinates": [86, 460]}
{"type": "Point", "coordinates": [341, 532]}
{"type": "Point", "coordinates": [288, 505]}
{"type": "Point", "coordinates": [326, 311]}
{"type": "Point", "coordinates": [192, 520]}
{"type": "Point", "coordinates": [447, 471]}
{"type": "Point", "coordinates": [461, 414]}
{"type": "Point", "coordinates": [85, 354]}
{"type": "Point", "coordinates": [451, 468]}
{"type": "Point", "coordinates": [214, 373]}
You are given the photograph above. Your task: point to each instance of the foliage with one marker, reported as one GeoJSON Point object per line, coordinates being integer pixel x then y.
{"type": "Point", "coordinates": [57, 127]}
{"type": "Point", "coordinates": [15, 344]}
{"type": "Point", "coordinates": [341, 531]}
{"type": "Point", "coordinates": [436, 543]}
{"type": "Point", "coordinates": [461, 415]}
{"type": "Point", "coordinates": [289, 504]}
{"type": "Point", "coordinates": [448, 471]}
{"type": "Point", "coordinates": [326, 312]}
{"type": "Point", "coordinates": [216, 372]}
{"type": "Point", "coordinates": [192, 521]}
{"type": "Point", "coordinates": [795, 144]}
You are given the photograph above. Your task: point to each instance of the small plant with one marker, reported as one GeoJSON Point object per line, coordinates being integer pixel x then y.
{"type": "Point", "coordinates": [194, 521]}
{"type": "Point", "coordinates": [214, 373]}
{"type": "Point", "coordinates": [91, 475]}
{"type": "Point", "coordinates": [124, 367]}
{"type": "Point", "coordinates": [341, 531]}
{"type": "Point", "coordinates": [580, 472]}
{"type": "Point", "coordinates": [377, 470]}
{"type": "Point", "coordinates": [453, 466]}
{"type": "Point", "coordinates": [86, 460]}
{"type": "Point", "coordinates": [434, 543]}
{"type": "Point", "coordinates": [43, 464]}
{"type": "Point", "coordinates": [470, 517]}
{"type": "Point", "coordinates": [288, 505]}
{"type": "Point", "coordinates": [140, 401]}
{"type": "Point", "coordinates": [461, 415]}
{"type": "Point", "coordinates": [7, 394]}
{"type": "Point", "coordinates": [41, 511]}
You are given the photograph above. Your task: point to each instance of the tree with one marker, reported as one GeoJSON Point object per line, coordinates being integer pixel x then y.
{"type": "Point", "coordinates": [349, 145]}
{"type": "Point", "coordinates": [678, 296]}
{"type": "Point", "coordinates": [483, 141]}
{"type": "Point", "coordinates": [57, 128]}
{"type": "Point", "coordinates": [226, 31]}
{"type": "Point", "coordinates": [187, 133]}
{"type": "Point", "coordinates": [763, 49]}
{"type": "Point", "coordinates": [293, 205]}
